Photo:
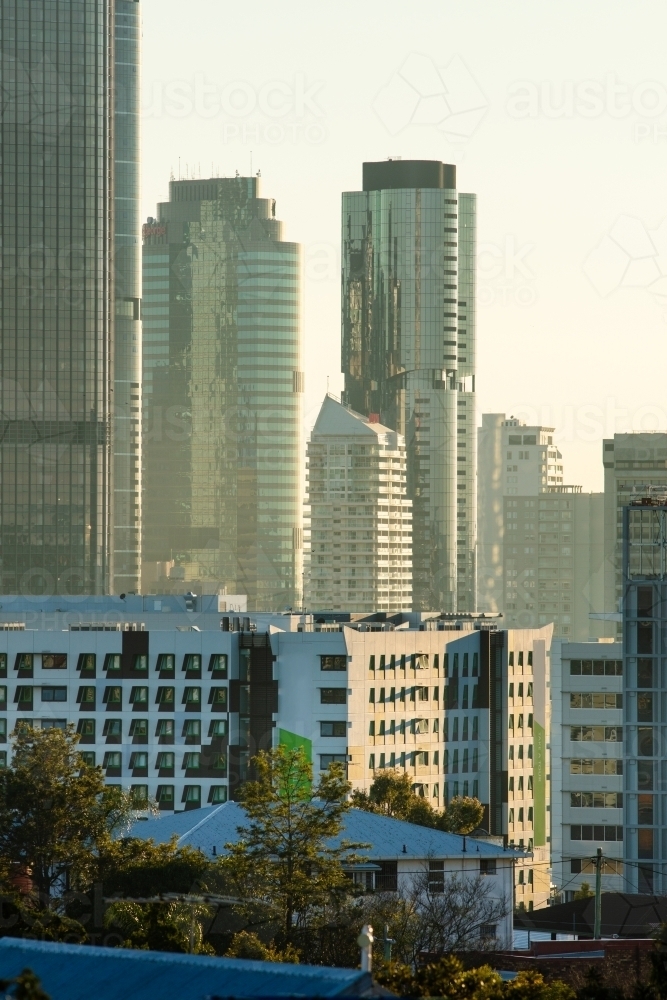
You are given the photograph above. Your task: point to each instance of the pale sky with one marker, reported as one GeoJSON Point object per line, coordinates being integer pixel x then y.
{"type": "Point", "coordinates": [556, 116]}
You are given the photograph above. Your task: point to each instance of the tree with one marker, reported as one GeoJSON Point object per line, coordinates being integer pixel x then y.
{"type": "Point", "coordinates": [285, 857]}
{"type": "Point", "coordinates": [584, 891]}
{"type": "Point", "coordinates": [245, 944]}
{"type": "Point", "coordinates": [391, 794]}
{"type": "Point", "coordinates": [463, 815]}
{"type": "Point", "coordinates": [25, 986]}
{"type": "Point", "coordinates": [55, 811]}
{"type": "Point", "coordinates": [172, 925]}
{"type": "Point", "coordinates": [133, 867]}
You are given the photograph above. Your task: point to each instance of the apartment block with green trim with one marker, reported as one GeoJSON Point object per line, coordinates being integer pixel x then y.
{"type": "Point", "coordinates": [459, 705]}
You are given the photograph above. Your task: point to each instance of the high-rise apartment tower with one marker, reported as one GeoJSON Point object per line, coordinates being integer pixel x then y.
{"type": "Point", "coordinates": [223, 390]}
{"type": "Point", "coordinates": [408, 353]}
{"type": "Point", "coordinates": [361, 520]}
{"type": "Point", "coordinates": [69, 156]}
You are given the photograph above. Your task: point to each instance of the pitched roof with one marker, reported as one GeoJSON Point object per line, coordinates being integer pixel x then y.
{"type": "Point", "coordinates": [337, 420]}
{"type": "Point", "coordinates": [77, 972]}
{"type": "Point", "coordinates": [389, 838]}
{"type": "Point", "coordinates": [623, 913]}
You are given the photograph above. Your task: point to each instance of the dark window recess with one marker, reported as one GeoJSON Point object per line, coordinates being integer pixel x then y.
{"type": "Point", "coordinates": [217, 699]}
{"type": "Point", "coordinates": [165, 731]}
{"type": "Point", "coordinates": [113, 730]}
{"type": "Point", "coordinates": [333, 663]}
{"type": "Point", "coordinates": [54, 661]}
{"type": "Point", "coordinates": [86, 698]}
{"type": "Point", "coordinates": [217, 665]}
{"type": "Point", "coordinates": [86, 664]}
{"type": "Point", "coordinates": [166, 664]}
{"type": "Point", "coordinates": [86, 730]}
{"type": "Point", "coordinates": [165, 796]}
{"type": "Point", "coordinates": [644, 637]}
{"type": "Point", "coordinates": [487, 866]}
{"type": "Point", "coordinates": [645, 602]}
{"type": "Point", "coordinates": [386, 880]}
{"type": "Point", "coordinates": [139, 730]}
{"type": "Point", "coordinates": [24, 664]}
{"type": "Point", "coordinates": [333, 728]}
{"type": "Point", "coordinates": [135, 646]}
{"type": "Point", "coordinates": [645, 673]}
{"type": "Point", "coordinates": [599, 833]}
{"type": "Point", "coordinates": [54, 693]}
{"type": "Point", "coordinates": [645, 775]}
{"type": "Point", "coordinates": [645, 809]}
{"type": "Point", "coordinates": [192, 664]}
{"type": "Point", "coordinates": [3, 664]}
{"type": "Point", "coordinates": [333, 696]}
{"type": "Point", "coordinates": [644, 707]}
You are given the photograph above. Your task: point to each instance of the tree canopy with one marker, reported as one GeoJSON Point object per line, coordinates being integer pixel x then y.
{"type": "Point", "coordinates": [391, 794]}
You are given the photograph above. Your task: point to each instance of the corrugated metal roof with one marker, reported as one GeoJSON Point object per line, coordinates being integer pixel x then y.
{"type": "Point", "coordinates": [389, 838]}
{"type": "Point", "coordinates": [77, 972]}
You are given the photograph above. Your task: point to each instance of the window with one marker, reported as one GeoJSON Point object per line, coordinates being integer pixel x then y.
{"type": "Point", "coordinates": [192, 663]}
{"type": "Point", "coordinates": [334, 663]}
{"type": "Point", "coordinates": [166, 662]}
{"type": "Point", "coordinates": [218, 699]}
{"type": "Point", "coordinates": [139, 728]}
{"type": "Point", "coordinates": [85, 696]}
{"type": "Point", "coordinates": [599, 833]}
{"type": "Point", "coordinates": [475, 759]}
{"type": "Point", "coordinates": [165, 795]}
{"type": "Point", "coordinates": [218, 728]}
{"type": "Point", "coordinates": [596, 800]}
{"type": "Point", "coordinates": [113, 697]}
{"type": "Point", "coordinates": [54, 661]}
{"type": "Point", "coordinates": [333, 696]}
{"type": "Point", "coordinates": [165, 696]}
{"type": "Point", "coordinates": [333, 728]}
{"type": "Point", "coordinates": [139, 760]}
{"type": "Point", "coordinates": [595, 699]}
{"type": "Point", "coordinates": [86, 663]}
{"type": "Point", "coordinates": [139, 697]}
{"type": "Point", "coordinates": [88, 757]}
{"type": "Point", "coordinates": [596, 734]}
{"type": "Point", "coordinates": [112, 758]}
{"type": "Point", "coordinates": [23, 696]}
{"type": "Point", "coordinates": [140, 663]}
{"type": "Point", "coordinates": [24, 662]}
{"type": "Point", "coordinates": [645, 743]}
{"type": "Point", "coordinates": [112, 663]}
{"type": "Point", "coordinates": [192, 795]}
{"type": "Point", "coordinates": [113, 727]}
{"type": "Point", "coordinates": [3, 730]}
{"type": "Point", "coordinates": [645, 809]}
{"type": "Point", "coordinates": [645, 843]}
{"type": "Point", "coordinates": [165, 760]}
{"type": "Point", "coordinates": [599, 668]}
{"type": "Point", "coordinates": [86, 728]}
{"type": "Point", "coordinates": [54, 694]}
{"type": "Point", "coordinates": [139, 796]}
{"type": "Point", "coordinates": [487, 866]}
{"type": "Point", "coordinates": [218, 664]}
{"type": "Point", "coordinates": [217, 794]}
{"type": "Point", "coordinates": [475, 728]}
{"type": "Point", "coordinates": [436, 876]}
{"type": "Point", "coordinates": [191, 761]}
{"type": "Point", "coordinates": [192, 696]}
{"type": "Point", "coordinates": [3, 664]}
{"type": "Point", "coordinates": [192, 729]}
{"type": "Point", "coordinates": [219, 764]}
{"type": "Point", "coordinates": [332, 758]}
{"type": "Point", "coordinates": [165, 728]}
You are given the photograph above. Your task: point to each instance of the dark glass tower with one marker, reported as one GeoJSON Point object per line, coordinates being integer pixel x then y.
{"type": "Point", "coordinates": [408, 353]}
{"type": "Point", "coordinates": [57, 231]}
{"type": "Point", "coordinates": [127, 294]}
{"type": "Point", "coordinates": [223, 385]}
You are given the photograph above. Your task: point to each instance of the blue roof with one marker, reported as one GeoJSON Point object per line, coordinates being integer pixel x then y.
{"type": "Point", "coordinates": [77, 972]}
{"type": "Point", "coordinates": [205, 829]}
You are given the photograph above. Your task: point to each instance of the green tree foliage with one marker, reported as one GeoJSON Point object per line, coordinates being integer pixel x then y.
{"type": "Point", "coordinates": [391, 794]}
{"type": "Point", "coordinates": [25, 986]}
{"type": "Point", "coordinates": [245, 944]}
{"type": "Point", "coordinates": [284, 857]}
{"type": "Point", "coordinates": [448, 979]}
{"type": "Point", "coordinates": [166, 926]}
{"type": "Point", "coordinates": [139, 868]}
{"type": "Point", "coordinates": [55, 812]}
{"type": "Point", "coordinates": [584, 891]}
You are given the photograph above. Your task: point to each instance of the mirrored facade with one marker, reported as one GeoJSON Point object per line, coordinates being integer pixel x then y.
{"type": "Point", "coordinates": [408, 353]}
{"type": "Point", "coordinates": [223, 385]}
{"type": "Point", "coordinates": [56, 315]}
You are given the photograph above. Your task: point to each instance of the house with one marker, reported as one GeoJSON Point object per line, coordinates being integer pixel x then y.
{"type": "Point", "coordinates": [77, 972]}
{"type": "Point", "coordinates": [398, 852]}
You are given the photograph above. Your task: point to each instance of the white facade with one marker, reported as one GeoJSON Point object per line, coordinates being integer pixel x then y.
{"type": "Point", "coordinates": [360, 517]}
{"type": "Point", "coordinates": [587, 764]}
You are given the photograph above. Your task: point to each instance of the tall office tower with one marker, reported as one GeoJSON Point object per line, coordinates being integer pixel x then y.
{"type": "Point", "coordinates": [586, 763]}
{"type": "Point", "coordinates": [361, 520]}
{"type": "Point", "coordinates": [127, 293]}
{"type": "Point", "coordinates": [57, 200]}
{"type": "Point", "coordinates": [541, 548]}
{"type": "Point", "coordinates": [408, 353]}
{"type": "Point", "coordinates": [633, 464]}
{"type": "Point", "coordinates": [223, 384]}
{"type": "Point", "coordinates": [644, 609]}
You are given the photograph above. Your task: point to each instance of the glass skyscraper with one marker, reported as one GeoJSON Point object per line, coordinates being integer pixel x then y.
{"type": "Point", "coordinates": [223, 385]}
{"type": "Point", "coordinates": [126, 540]}
{"type": "Point", "coordinates": [408, 353]}
{"type": "Point", "coordinates": [68, 157]}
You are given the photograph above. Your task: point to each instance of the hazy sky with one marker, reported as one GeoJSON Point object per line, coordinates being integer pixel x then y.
{"type": "Point", "coordinates": [556, 116]}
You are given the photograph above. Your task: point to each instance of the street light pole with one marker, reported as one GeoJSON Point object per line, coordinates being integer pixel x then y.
{"type": "Point", "coordinates": [597, 861]}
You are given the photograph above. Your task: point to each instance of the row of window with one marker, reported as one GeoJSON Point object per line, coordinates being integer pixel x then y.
{"type": "Point", "coordinates": [192, 761]}
{"type": "Point", "coordinates": [595, 699]}
{"type": "Point", "coordinates": [522, 815]}
{"type": "Point", "coordinates": [86, 662]}
{"type": "Point", "coordinates": [587, 765]}
{"type": "Point", "coordinates": [165, 728]}
{"type": "Point", "coordinates": [596, 734]}
{"type": "Point", "coordinates": [520, 721]}
{"type": "Point", "coordinates": [599, 833]}
{"type": "Point", "coordinates": [455, 729]}
{"type": "Point", "coordinates": [596, 668]}
{"type": "Point", "coordinates": [113, 695]}
{"type": "Point", "coordinates": [468, 663]}
{"type": "Point", "coordinates": [519, 690]}
{"type": "Point", "coordinates": [596, 800]}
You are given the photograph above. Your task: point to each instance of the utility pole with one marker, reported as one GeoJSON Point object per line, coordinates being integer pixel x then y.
{"type": "Point", "coordinates": [597, 861]}
{"type": "Point", "coordinates": [387, 943]}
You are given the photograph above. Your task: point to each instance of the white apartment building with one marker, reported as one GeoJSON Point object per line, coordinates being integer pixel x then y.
{"type": "Point", "coordinates": [587, 764]}
{"type": "Point", "coordinates": [360, 517]}
{"type": "Point", "coordinates": [541, 543]}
